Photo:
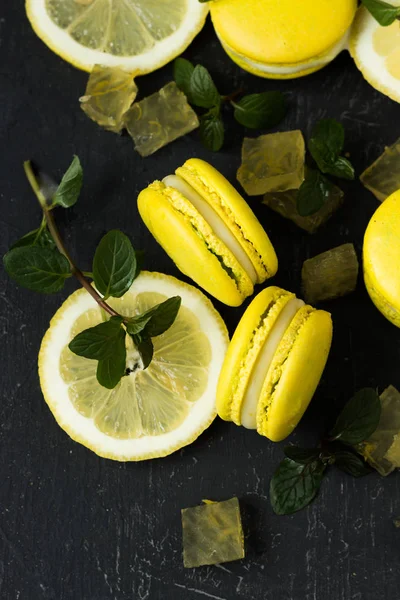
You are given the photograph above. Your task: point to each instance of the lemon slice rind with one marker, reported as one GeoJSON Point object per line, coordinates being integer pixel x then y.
{"type": "Point", "coordinates": [163, 51]}
{"type": "Point", "coordinates": [363, 52]}
{"type": "Point", "coordinates": [82, 429]}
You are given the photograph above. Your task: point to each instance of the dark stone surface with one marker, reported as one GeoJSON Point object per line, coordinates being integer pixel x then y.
{"type": "Point", "coordinates": [77, 527]}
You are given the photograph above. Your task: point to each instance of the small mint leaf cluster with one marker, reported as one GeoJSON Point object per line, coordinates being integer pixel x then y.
{"type": "Point", "coordinates": [255, 111]}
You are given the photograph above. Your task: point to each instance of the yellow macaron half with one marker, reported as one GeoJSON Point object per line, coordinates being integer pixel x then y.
{"type": "Point", "coordinates": [283, 39]}
{"type": "Point", "coordinates": [274, 363]}
{"type": "Point", "coordinates": [209, 231]}
{"type": "Point", "coordinates": [381, 254]}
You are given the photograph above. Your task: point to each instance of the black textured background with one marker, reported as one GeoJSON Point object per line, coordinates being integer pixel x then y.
{"type": "Point", "coordinates": [77, 527]}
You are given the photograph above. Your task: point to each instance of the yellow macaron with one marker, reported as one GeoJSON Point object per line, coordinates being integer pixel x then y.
{"type": "Point", "coordinates": [381, 255]}
{"type": "Point", "coordinates": [209, 231]}
{"type": "Point", "coordinates": [282, 39]}
{"type": "Point", "coordinates": [274, 363]}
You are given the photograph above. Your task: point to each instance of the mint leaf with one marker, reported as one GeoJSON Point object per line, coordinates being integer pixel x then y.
{"type": "Point", "coordinates": [303, 456]}
{"type": "Point", "coordinates": [313, 193]}
{"type": "Point", "coordinates": [359, 418]}
{"type": "Point", "coordinates": [351, 463]}
{"type": "Point", "coordinates": [183, 71]}
{"type": "Point", "coordinates": [202, 91]}
{"type": "Point", "coordinates": [293, 486]}
{"type": "Point", "coordinates": [98, 342]}
{"type": "Point", "coordinates": [146, 351]}
{"type": "Point", "coordinates": [325, 146]}
{"type": "Point", "coordinates": [114, 264]}
{"type": "Point", "coordinates": [267, 109]}
{"type": "Point", "coordinates": [212, 131]}
{"type": "Point", "coordinates": [39, 269]}
{"type": "Point", "coordinates": [341, 168]}
{"type": "Point", "coordinates": [383, 12]}
{"type": "Point", "coordinates": [69, 189]}
{"type": "Point", "coordinates": [156, 320]}
{"type": "Point", "coordinates": [111, 370]}
{"type": "Point", "coordinates": [38, 237]}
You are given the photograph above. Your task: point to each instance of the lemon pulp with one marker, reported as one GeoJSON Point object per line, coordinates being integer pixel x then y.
{"type": "Point", "coordinates": [386, 42]}
{"type": "Point", "coordinates": [150, 402]}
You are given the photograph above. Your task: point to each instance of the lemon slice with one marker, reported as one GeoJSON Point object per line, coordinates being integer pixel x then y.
{"type": "Point", "coordinates": [376, 51]}
{"type": "Point", "coordinates": [138, 35]}
{"type": "Point", "coordinates": [149, 413]}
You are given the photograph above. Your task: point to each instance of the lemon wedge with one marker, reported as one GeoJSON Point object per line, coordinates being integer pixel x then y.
{"type": "Point", "coordinates": [152, 412]}
{"type": "Point", "coordinates": [376, 51]}
{"type": "Point", "coordinates": [137, 35]}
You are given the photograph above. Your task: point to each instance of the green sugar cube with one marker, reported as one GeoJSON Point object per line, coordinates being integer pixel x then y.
{"type": "Point", "coordinates": [382, 178]}
{"type": "Point", "coordinates": [330, 274]}
{"type": "Point", "coordinates": [272, 163]}
{"type": "Point", "coordinates": [109, 93]}
{"type": "Point", "coordinates": [160, 119]}
{"type": "Point", "coordinates": [212, 533]}
{"type": "Point", "coordinates": [382, 449]}
{"type": "Point", "coordinates": [285, 203]}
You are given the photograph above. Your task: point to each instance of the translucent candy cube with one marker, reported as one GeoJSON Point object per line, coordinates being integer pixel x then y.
{"type": "Point", "coordinates": [284, 203]}
{"type": "Point", "coordinates": [212, 533]}
{"type": "Point", "coordinates": [382, 449]}
{"type": "Point", "coordinates": [109, 94]}
{"type": "Point", "coordinates": [272, 163]}
{"type": "Point", "coordinates": [160, 119]}
{"type": "Point", "coordinates": [330, 274]}
{"type": "Point", "coordinates": [382, 178]}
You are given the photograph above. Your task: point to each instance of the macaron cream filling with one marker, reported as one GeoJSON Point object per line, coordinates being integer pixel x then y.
{"type": "Point", "coordinates": [214, 221]}
{"type": "Point", "coordinates": [294, 68]}
{"type": "Point", "coordinates": [264, 360]}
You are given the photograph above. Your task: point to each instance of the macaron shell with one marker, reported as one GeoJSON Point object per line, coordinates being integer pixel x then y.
{"type": "Point", "coordinates": [187, 239]}
{"type": "Point", "coordinates": [295, 373]}
{"type": "Point", "coordinates": [244, 348]}
{"type": "Point", "coordinates": [282, 31]}
{"type": "Point", "coordinates": [235, 212]}
{"type": "Point", "coordinates": [381, 254]}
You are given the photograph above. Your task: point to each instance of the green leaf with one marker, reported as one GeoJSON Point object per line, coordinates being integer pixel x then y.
{"type": "Point", "coordinates": [156, 320]}
{"type": "Point", "coordinates": [111, 370]}
{"type": "Point", "coordinates": [146, 351]}
{"type": "Point", "coordinates": [38, 237]}
{"type": "Point", "coordinates": [351, 463]}
{"type": "Point", "coordinates": [359, 418]}
{"type": "Point", "coordinates": [203, 92]}
{"type": "Point", "coordinates": [39, 269]}
{"type": "Point", "coordinates": [114, 264]}
{"type": "Point", "coordinates": [383, 12]}
{"type": "Point", "coordinates": [303, 456]}
{"type": "Point", "coordinates": [212, 131]}
{"type": "Point", "coordinates": [183, 71]}
{"type": "Point", "coordinates": [68, 191]}
{"type": "Point", "coordinates": [98, 342]}
{"type": "Point", "coordinates": [260, 110]}
{"type": "Point", "coordinates": [313, 193]}
{"type": "Point", "coordinates": [341, 168]}
{"type": "Point", "coordinates": [293, 485]}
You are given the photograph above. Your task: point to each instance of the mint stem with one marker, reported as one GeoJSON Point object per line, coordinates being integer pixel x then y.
{"type": "Point", "coordinates": [53, 229]}
{"type": "Point", "coordinates": [233, 95]}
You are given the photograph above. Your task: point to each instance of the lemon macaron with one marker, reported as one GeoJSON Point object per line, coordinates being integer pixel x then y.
{"type": "Point", "coordinates": [381, 255]}
{"type": "Point", "coordinates": [274, 363]}
{"type": "Point", "coordinates": [282, 39]}
{"type": "Point", "coordinates": [209, 231]}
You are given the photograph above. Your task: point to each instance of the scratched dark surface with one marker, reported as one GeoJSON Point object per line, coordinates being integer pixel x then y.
{"type": "Point", "coordinates": [77, 527]}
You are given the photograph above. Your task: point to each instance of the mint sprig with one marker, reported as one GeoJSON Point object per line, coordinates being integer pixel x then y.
{"type": "Point", "coordinates": [325, 146]}
{"type": "Point", "coordinates": [255, 111]}
{"type": "Point", "coordinates": [384, 13]}
{"type": "Point", "coordinates": [298, 478]}
{"type": "Point", "coordinates": [40, 262]}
